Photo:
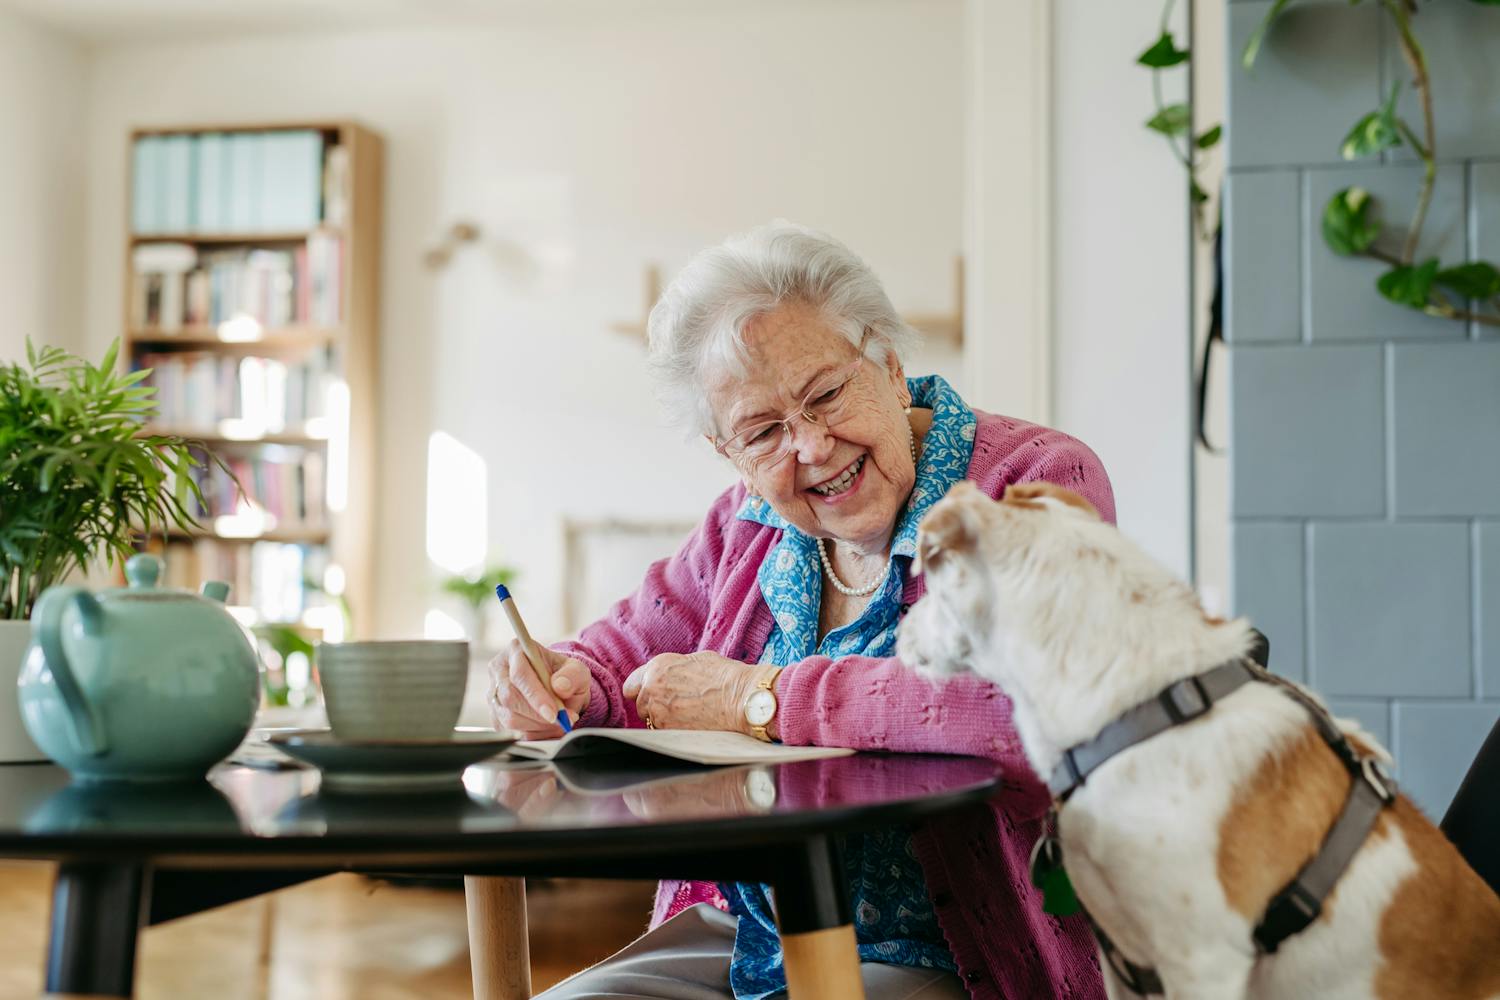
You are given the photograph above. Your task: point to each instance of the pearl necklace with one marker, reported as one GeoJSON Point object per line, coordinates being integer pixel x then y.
{"type": "Point", "coordinates": [875, 581]}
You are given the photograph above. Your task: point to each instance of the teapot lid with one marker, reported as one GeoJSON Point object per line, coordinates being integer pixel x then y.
{"type": "Point", "coordinates": [143, 570]}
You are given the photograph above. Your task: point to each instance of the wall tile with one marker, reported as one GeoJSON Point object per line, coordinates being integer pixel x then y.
{"type": "Point", "coordinates": [1317, 73]}
{"type": "Point", "coordinates": [1343, 303]}
{"type": "Point", "coordinates": [1435, 744]}
{"type": "Point", "coordinates": [1373, 714]}
{"type": "Point", "coordinates": [1447, 419]}
{"type": "Point", "coordinates": [1262, 257]}
{"type": "Point", "coordinates": [1390, 610]}
{"type": "Point", "coordinates": [1268, 588]}
{"type": "Point", "coordinates": [1484, 205]}
{"type": "Point", "coordinates": [1462, 43]}
{"type": "Point", "coordinates": [1307, 431]}
{"type": "Point", "coordinates": [1489, 609]}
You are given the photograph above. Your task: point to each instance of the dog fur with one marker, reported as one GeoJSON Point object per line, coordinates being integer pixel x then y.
{"type": "Point", "coordinates": [1176, 845]}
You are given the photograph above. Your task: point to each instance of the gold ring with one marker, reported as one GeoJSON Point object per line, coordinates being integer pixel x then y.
{"type": "Point", "coordinates": [649, 723]}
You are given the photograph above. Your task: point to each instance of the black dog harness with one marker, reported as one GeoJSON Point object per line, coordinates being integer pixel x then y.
{"type": "Point", "coordinates": [1299, 902]}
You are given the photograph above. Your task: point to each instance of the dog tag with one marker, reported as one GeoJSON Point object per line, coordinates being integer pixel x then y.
{"type": "Point", "coordinates": [1049, 875]}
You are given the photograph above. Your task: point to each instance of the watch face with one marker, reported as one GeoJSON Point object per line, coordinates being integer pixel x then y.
{"type": "Point", "coordinates": [760, 708]}
{"type": "Point", "coordinates": [760, 788]}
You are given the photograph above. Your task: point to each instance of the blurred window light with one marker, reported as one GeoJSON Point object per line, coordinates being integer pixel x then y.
{"type": "Point", "coordinates": [457, 507]}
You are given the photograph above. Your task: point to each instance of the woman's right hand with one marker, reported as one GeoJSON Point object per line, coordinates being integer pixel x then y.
{"type": "Point", "coordinates": [519, 701]}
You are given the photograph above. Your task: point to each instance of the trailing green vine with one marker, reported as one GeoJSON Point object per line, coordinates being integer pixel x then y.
{"type": "Point", "coordinates": [1350, 223]}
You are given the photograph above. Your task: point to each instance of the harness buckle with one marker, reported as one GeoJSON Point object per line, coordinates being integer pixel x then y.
{"type": "Point", "coordinates": [1378, 778]}
{"type": "Point", "coordinates": [1289, 913]}
{"type": "Point", "coordinates": [1186, 700]}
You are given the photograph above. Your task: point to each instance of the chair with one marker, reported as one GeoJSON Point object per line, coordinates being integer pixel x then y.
{"type": "Point", "coordinates": [1472, 822]}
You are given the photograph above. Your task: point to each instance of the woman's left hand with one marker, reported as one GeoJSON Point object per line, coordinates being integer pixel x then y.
{"type": "Point", "coordinates": [693, 691]}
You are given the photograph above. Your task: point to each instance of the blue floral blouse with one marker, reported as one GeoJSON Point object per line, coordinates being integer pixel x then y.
{"type": "Point", "coordinates": [894, 922]}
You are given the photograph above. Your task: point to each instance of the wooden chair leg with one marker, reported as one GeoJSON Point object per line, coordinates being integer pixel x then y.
{"type": "Point", "coordinates": [499, 954]}
{"type": "Point", "coordinates": [822, 965]}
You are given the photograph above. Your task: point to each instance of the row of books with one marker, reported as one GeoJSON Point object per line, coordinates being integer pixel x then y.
{"type": "Point", "coordinates": [267, 576]}
{"type": "Point", "coordinates": [280, 488]}
{"type": "Point", "coordinates": [197, 390]}
{"type": "Point", "coordinates": [238, 182]}
{"type": "Point", "coordinates": [173, 285]}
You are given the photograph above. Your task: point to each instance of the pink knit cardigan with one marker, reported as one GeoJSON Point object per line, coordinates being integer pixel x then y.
{"type": "Point", "coordinates": [977, 861]}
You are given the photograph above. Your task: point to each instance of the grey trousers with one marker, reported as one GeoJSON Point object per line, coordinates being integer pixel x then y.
{"type": "Point", "coordinates": [687, 958]}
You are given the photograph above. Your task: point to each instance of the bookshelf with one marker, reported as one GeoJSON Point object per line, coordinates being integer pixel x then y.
{"type": "Point", "coordinates": [251, 266]}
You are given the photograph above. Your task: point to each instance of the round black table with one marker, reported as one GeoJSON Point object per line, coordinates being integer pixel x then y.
{"type": "Point", "coordinates": [133, 856]}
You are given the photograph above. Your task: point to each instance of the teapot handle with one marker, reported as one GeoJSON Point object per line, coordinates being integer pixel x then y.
{"type": "Point", "coordinates": [46, 625]}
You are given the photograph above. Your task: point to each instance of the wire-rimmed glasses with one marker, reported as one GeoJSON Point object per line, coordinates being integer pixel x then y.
{"type": "Point", "coordinates": [769, 441]}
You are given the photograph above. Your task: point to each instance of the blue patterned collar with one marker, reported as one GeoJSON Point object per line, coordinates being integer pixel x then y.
{"type": "Point", "coordinates": [946, 452]}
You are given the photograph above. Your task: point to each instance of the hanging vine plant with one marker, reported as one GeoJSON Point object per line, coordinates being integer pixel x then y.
{"type": "Point", "coordinates": [1351, 224]}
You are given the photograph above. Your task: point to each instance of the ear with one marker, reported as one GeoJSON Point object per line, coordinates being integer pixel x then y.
{"type": "Point", "coordinates": [897, 374]}
{"type": "Point", "coordinates": [1033, 494]}
{"type": "Point", "coordinates": [951, 527]}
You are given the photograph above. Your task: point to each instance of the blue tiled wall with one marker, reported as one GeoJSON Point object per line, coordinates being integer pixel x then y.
{"type": "Point", "coordinates": [1365, 437]}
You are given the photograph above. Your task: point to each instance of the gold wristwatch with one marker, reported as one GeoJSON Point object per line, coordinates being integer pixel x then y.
{"type": "Point", "coordinates": [760, 707]}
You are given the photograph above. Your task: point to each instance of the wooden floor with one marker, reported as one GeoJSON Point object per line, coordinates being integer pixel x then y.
{"type": "Point", "coordinates": [340, 938]}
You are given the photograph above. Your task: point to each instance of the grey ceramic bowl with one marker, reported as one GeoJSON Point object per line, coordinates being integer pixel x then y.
{"type": "Point", "coordinates": [406, 690]}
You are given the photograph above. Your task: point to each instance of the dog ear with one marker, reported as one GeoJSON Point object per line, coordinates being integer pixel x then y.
{"type": "Point", "coordinates": [1037, 492]}
{"type": "Point", "coordinates": [950, 527]}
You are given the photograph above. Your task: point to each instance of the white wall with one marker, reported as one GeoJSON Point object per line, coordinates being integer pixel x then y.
{"type": "Point", "coordinates": [1119, 269]}
{"type": "Point", "coordinates": [598, 144]}
{"type": "Point", "coordinates": [42, 139]}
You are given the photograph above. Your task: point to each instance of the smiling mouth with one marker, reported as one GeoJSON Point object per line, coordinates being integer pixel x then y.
{"type": "Point", "coordinates": [841, 482]}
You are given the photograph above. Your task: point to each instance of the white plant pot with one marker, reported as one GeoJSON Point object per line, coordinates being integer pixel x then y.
{"type": "Point", "coordinates": [15, 746]}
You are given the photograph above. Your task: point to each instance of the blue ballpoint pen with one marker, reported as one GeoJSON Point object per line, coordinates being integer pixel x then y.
{"type": "Point", "coordinates": [528, 647]}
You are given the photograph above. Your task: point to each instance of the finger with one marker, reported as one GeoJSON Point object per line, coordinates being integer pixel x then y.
{"type": "Point", "coordinates": [525, 681]}
{"type": "Point", "coordinates": [527, 727]}
{"type": "Point", "coordinates": [570, 678]}
{"type": "Point", "coordinates": [632, 686]}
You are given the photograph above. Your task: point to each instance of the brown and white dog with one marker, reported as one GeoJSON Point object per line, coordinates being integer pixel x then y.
{"type": "Point", "coordinates": [1176, 845]}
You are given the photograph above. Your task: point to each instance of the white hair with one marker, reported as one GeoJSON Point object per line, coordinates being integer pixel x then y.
{"type": "Point", "coordinates": [700, 321]}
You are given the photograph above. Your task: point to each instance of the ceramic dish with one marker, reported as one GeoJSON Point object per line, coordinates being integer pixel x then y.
{"type": "Point", "coordinates": [390, 765]}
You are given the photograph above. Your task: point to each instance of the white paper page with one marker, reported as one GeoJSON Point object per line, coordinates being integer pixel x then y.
{"type": "Point", "coordinates": [698, 745]}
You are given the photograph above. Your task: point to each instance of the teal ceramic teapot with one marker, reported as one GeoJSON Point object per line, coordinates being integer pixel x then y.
{"type": "Point", "coordinates": [139, 683]}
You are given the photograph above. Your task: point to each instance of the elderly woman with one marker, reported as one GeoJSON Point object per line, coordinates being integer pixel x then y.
{"type": "Point", "coordinates": [778, 618]}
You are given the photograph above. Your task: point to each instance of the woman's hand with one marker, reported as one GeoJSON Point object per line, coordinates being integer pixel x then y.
{"type": "Point", "coordinates": [519, 701]}
{"type": "Point", "coordinates": [693, 691]}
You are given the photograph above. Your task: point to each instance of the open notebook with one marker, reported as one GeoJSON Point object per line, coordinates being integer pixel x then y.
{"type": "Point", "coordinates": [699, 746]}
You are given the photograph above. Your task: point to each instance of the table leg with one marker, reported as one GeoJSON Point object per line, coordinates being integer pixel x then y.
{"type": "Point", "coordinates": [97, 912]}
{"type": "Point", "coordinates": [499, 954]}
{"type": "Point", "coordinates": [817, 929]}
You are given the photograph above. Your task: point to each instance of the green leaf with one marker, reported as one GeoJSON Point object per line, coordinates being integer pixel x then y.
{"type": "Point", "coordinates": [1477, 280]}
{"type": "Point", "coordinates": [1487, 3]}
{"type": "Point", "coordinates": [1171, 120]}
{"type": "Point", "coordinates": [1210, 138]}
{"type": "Point", "coordinates": [1348, 226]}
{"type": "Point", "coordinates": [1163, 53]}
{"type": "Point", "coordinates": [1409, 285]}
{"type": "Point", "coordinates": [1199, 195]}
{"type": "Point", "coordinates": [1374, 132]}
{"type": "Point", "coordinates": [1252, 47]}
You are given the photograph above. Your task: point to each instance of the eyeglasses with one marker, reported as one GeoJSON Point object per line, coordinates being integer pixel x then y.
{"type": "Point", "coordinates": [769, 441]}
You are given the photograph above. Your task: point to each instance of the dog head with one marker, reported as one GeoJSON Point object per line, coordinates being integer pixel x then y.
{"type": "Point", "coordinates": [1036, 590]}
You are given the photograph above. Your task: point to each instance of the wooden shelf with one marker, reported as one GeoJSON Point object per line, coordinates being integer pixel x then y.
{"type": "Point", "coordinates": [208, 336]}
{"type": "Point", "coordinates": [214, 439]}
{"type": "Point", "coordinates": [233, 239]}
{"type": "Point", "coordinates": [347, 533]}
{"type": "Point", "coordinates": [301, 536]}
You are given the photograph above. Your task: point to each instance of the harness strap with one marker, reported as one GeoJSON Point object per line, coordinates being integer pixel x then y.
{"type": "Point", "coordinates": [1300, 902]}
{"type": "Point", "coordinates": [1181, 702]}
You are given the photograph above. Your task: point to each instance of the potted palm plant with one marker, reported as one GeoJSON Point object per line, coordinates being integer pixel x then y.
{"type": "Point", "coordinates": [80, 480]}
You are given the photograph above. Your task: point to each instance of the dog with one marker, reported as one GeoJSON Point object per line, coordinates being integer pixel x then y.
{"type": "Point", "coordinates": [1177, 845]}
